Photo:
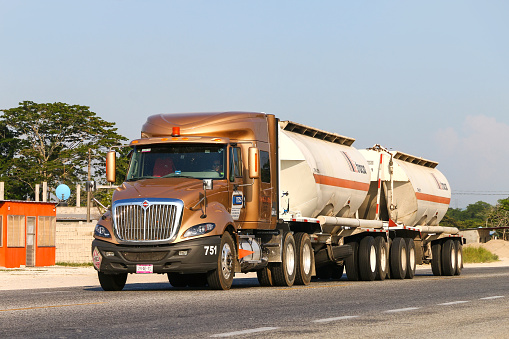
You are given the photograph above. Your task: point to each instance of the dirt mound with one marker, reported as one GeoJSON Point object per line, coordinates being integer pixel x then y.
{"type": "Point", "coordinates": [498, 247]}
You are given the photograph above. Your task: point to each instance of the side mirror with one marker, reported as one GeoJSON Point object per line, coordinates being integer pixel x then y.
{"type": "Point", "coordinates": [111, 159]}
{"type": "Point", "coordinates": [254, 163]}
{"type": "Point", "coordinates": [208, 184]}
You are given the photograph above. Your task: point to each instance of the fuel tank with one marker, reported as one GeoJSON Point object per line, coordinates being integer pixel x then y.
{"type": "Point", "coordinates": [320, 173]}
{"type": "Point", "coordinates": [412, 192]}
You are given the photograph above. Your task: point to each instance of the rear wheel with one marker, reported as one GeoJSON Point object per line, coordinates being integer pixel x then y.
{"type": "Point", "coordinates": [351, 262]}
{"type": "Point", "coordinates": [436, 258]}
{"type": "Point", "coordinates": [367, 259]}
{"type": "Point", "coordinates": [222, 277]}
{"type": "Point", "coordinates": [459, 257]}
{"type": "Point", "coordinates": [398, 259]}
{"type": "Point", "coordinates": [304, 258]}
{"type": "Point", "coordinates": [381, 258]}
{"type": "Point", "coordinates": [449, 257]}
{"type": "Point", "coordinates": [112, 282]}
{"type": "Point", "coordinates": [265, 276]}
{"type": "Point", "coordinates": [411, 261]}
{"type": "Point", "coordinates": [284, 272]}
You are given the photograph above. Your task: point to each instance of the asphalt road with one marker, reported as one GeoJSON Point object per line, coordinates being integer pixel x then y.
{"type": "Point", "coordinates": [473, 305]}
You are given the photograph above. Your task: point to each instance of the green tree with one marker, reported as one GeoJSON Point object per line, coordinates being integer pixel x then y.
{"type": "Point", "coordinates": [52, 144]}
{"type": "Point", "coordinates": [473, 216]}
{"type": "Point", "coordinates": [499, 215]}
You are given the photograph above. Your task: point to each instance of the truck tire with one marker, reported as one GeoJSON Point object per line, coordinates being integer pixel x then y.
{"type": "Point", "coordinates": [222, 277]}
{"type": "Point", "coordinates": [459, 257]}
{"type": "Point", "coordinates": [177, 279]}
{"type": "Point", "coordinates": [112, 282]}
{"type": "Point", "coordinates": [398, 259]}
{"type": "Point", "coordinates": [411, 261]}
{"type": "Point", "coordinates": [389, 244]}
{"type": "Point", "coordinates": [367, 259]}
{"type": "Point", "coordinates": [381, 258]}
{"type": "Point", "coordinates": [352, 262]}
{"type": "Point", "coordinates": [436, 258]}
{"type": "Point", "coordinates": [304, 258]}
{"type": "Point", "coordinates": [197, 280]}
{"type": "Point", "coordinates": [449, 257]}
{"type": "Point", "coordinates": [283, 273]}
{"type": "Point", "coordinates": [265, 276]}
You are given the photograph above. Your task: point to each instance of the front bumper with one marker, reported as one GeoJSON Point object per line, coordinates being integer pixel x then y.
{"type": "Point", "coordinates": [201, 256]}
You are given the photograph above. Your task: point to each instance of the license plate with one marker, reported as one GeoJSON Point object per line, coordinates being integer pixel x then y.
{"type": "Point", "coordinates": [142, 269]}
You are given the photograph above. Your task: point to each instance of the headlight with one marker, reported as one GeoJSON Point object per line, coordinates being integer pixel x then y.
{"type": "Point", "coordinates": [199, 230]}
{"type": "Point", "coordinates": [102, 231]}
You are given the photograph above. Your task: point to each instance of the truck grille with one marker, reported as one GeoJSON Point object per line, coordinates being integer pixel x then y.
{"type": "Point", "coordinates": [146, 220]}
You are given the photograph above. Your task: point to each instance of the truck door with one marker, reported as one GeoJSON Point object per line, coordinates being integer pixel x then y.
{"type": "Point", "coordinates": [237, 198]}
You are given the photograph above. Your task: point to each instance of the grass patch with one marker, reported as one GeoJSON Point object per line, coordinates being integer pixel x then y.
{"type": "Point", "coordinates": [74, 264]}
{"type": "Point", "coordinates": [473, 254]}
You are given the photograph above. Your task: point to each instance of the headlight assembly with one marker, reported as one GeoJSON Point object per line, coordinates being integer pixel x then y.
{"type": "Point", "coordinates": [199, 230]}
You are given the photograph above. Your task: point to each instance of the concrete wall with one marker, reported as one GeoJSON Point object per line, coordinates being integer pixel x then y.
{"type": "Point", "coordinates": [73, 241]}
{"type": "Point", "coordinates": [476, 236]}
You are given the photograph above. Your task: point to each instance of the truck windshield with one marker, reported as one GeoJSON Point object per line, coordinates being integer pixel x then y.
{"type": "Point", "coordinates": [200, 161]}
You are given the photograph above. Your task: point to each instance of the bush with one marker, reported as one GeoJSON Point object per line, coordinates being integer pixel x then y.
{"type": "Point", "coordinates": [478, 254]}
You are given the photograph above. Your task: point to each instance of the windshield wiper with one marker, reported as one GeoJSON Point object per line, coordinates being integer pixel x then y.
{"type": "Point", "coordinates": [138, 178]}
{"type": "Point", "coordinates": [173, 175]}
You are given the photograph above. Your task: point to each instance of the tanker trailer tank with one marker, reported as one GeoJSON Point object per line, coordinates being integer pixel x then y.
{"type": "Point", "coordinates": [321, 174]}
{"type": "Point", "coordinates": [412, 191]}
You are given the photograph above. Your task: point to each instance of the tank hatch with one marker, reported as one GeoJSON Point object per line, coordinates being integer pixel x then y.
{"type": "Point", "coordinates": [315, 133]}
{"type": "Point", "coordinates": [414, 160]}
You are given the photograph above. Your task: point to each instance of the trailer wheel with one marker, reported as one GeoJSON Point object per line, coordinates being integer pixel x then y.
{"type": "Point", "coordinates": [459, 257]}
{"type": "Point", "coordinates": [381, 258]}
{"type": "Point", "coordinates": [222, 277]}
{"type": "Point", "coordinates": [284, 272]}
{"type": "Point", "coordinates": [367, 259]}
{"type": "Point", "coordinates": [351, 262]}
{"type": "Point", "coordinates": [398, 259]}
{"type": "Point", "coordinates": [112, 282]}
{"type": "Point", "coordinates": [449, 257]}
{"type": "Point", "coordinates": [265, 276]}
{"type": "Point", "coordinates": [436, 258]}
{"type": "Point", "coordinates": [411, 261]}
{"type": "Point", "coordinates": [177, 279]}
{"type": "Point", "coordinates": [330, 271]}
{"type": "Point", "coordinates": [304, 258]}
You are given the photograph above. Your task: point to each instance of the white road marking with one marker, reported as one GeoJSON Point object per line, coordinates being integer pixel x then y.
{"type": "Point", "coordinates": [254, 330]}
{"type": "Point", "coordinates": [326, 320]}
{"type": "Point", "coordinates": [402, 310]}
{"type": "Point", "coordinates": [454, 303]}
{"type": "Point", "coordinates": [494, 297]}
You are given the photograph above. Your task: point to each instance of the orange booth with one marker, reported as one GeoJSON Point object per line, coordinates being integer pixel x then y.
{"type": "Point", "coordinates": [27, 233]}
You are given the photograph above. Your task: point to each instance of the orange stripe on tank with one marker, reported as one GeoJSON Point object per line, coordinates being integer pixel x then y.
{"type": "Point", "coordinates": [433, 198]}
{"type": "Point", "coordinates": [343, 183]}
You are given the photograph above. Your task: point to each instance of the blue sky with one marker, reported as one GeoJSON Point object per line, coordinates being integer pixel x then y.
{"type": "Point", "coordinates": [429, 78]}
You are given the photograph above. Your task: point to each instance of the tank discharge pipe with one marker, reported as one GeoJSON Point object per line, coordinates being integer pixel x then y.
{"type": "Point", "coordinates": [350, 222]}
{"type": "Point", "coordinates": [438, 229]}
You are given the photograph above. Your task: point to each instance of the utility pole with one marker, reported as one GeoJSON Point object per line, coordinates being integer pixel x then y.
{"type": "Point", "coordinates": [88, 191]}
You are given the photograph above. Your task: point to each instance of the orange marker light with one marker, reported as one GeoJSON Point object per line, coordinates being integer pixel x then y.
{"type": "Point", "coordinates": [175, 131]}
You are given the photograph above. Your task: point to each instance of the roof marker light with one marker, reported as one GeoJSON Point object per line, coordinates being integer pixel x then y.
{"type": "Point", "coordinates": [175, 131]}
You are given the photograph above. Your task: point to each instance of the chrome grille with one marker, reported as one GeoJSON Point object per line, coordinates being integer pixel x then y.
{"type": "Point", "coordinates": [146, 221]}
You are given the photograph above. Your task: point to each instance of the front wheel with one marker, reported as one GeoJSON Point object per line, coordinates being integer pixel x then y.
{"type": "Point", "coordinates": [112, 282]}
{"type": "Point", "coordinates": [222, 277]}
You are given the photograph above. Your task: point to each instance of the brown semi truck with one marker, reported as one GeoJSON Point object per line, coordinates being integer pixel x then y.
{"type": "Point", "coordinates": [208, 195]}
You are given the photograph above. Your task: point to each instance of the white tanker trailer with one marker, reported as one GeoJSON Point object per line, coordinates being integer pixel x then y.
{"type": "Point", "coordinates": [211, 194]}
{"type": "Point", "coordinates": [368, 200]}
